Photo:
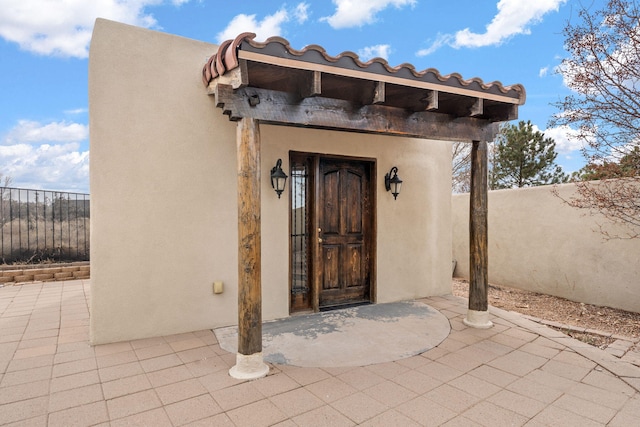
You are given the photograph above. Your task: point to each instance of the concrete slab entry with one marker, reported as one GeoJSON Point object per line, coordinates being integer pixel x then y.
{"type": "Point", "coordinates": [357, 336]}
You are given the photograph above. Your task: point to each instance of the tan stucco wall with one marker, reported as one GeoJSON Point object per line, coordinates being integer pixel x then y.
{"type": "Point", "coordinates": [164, 206]}
{"type": "Point", "coordinates": [538, 243]}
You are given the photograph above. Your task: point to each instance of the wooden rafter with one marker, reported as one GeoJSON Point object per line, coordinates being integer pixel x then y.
{"type": "Point", "coordinates": [312, 85]}
{"type": "Point", "coordinates": [477, 108]}
{"type": "Point", "coordinates": [379, 94]}
{"type": "Point", "coordinates": [431, 101]}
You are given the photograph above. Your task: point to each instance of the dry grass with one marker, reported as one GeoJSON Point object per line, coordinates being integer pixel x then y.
{"type": "Point", "coordinates": [36, 241]}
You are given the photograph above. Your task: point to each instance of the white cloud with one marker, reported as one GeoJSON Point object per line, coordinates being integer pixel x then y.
{"type": "Point", "coordinates": [27, 131]}
{"type": "Point", "coordinates": [46, 156]}
{"type": "Point", "coordinates": [350, 13]}
{"type": "Point", "coordinates": [565, 138]}
{"type": "Point", "coordinates": [617, 152]}
{"type": "Point", "coordinates": [301, 13]}
{"type": "Point", "coordinates": [51, 167]}
{"type": "Point", "coordinates": [270, 26]}
{"type": "Point", "coordinates": [569, 72]}
{"type": "Point", "coordinates": [75, 111]}
{"type": "Point", "coordinates": [441, 40]}
{"type": "Point", "coordinates": [54, 28]}
{"type": "Point", "coordinates": [514, 17]}
{"type": "Point", "coordinates": [377, 51]}
{"type": "Point", "coordinates": [543, 72]}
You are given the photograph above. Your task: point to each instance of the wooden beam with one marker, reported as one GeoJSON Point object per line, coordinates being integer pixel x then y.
{"type": "Point", "coordinates": [249, 256]}
{"type": "Point", "coordinates": [287, 109]}
{"type": "Point", "coordinates": [478, 229]}
{"type": "Point", "coordinates": [431, 101]}
{"type": "Point", "coordinates": [379, 94]}
{"type": "Point", "coordinates": [501, 112]}
{"type": "Point", "coordinates": [371, 93]}
{"type": "Point", "coordinates": [512, 113]}
{"type": "Point", "coordinates": [312, 86]}
{"type": "Point", "coordinates": [236, 78]}
{"type": "Point", "coordinates": [476, 108]}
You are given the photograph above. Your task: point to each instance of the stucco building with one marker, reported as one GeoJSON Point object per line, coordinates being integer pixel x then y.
{"type": "Point", "coordinates": [168, 158]}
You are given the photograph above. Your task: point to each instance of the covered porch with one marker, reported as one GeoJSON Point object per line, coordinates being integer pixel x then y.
{"type": "Point", "coordinates": [273, 83]}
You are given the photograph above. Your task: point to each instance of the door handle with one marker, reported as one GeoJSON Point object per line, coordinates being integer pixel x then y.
{"type": "Point", "coordinates": [319, 239]}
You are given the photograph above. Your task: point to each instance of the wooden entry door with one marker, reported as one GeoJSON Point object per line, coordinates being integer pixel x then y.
{"type": "Point", "coordinates": [345, 227]}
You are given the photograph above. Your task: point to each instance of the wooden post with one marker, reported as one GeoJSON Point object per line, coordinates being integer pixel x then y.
{"type": "Point", "coordinates": [478, 315]}
{"type": "Point", "coordinates": [249, 362]}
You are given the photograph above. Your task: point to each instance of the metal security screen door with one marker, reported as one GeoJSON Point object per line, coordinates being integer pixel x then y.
{"type": "Point", "coordinates": [301, 203]}
{"type": "Point", "coordinates": [332, 232]}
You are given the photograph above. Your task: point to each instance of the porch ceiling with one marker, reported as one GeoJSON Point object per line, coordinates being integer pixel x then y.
{"type": "Point", "coordinates": [308, 87]}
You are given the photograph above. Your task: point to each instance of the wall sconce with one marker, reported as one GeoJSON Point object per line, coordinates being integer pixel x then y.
{"type": "Point", "coordinates": [392, 182]}
{"type": "Point", "coordinates": [278, 178]}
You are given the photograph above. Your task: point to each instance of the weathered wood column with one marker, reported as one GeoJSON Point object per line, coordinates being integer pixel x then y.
{"type": "Point", "coordinates": [478, 314]}
{"type": "Point", "coordinates": [249, 362]}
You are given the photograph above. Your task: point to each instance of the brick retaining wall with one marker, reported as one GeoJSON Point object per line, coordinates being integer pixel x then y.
{"type": "Point", "coordinates": [13, 274]}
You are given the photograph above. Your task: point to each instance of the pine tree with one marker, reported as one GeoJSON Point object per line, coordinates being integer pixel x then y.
{"type": "Point", "coordinates": [524, 158]}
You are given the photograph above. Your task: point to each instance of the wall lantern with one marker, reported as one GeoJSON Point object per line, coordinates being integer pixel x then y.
{"type": "Point", "coordinates": [392, 182]}
{"type": "Point", "coordinates": [278, 178]}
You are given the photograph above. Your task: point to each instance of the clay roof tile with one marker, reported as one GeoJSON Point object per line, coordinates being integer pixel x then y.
{"type": "Point", "coordinates": [226, 59]}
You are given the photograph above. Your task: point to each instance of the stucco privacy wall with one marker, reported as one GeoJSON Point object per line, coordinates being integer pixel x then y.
{"type": "Point", "coordinates": [540, 244]}
{"type": "Point", "coordinates": [164, 204]}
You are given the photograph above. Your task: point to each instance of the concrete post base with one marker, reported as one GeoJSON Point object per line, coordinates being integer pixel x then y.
{"type": "Point", "coordinates": [477, 319]}
{"type": "Point", "coordinates": [249, 367]}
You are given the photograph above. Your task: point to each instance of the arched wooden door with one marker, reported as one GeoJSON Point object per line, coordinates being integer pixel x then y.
{"type": "Point", "coordinates": [344, 219]}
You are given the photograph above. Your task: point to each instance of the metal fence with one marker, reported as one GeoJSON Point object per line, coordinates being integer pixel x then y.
{"type": "Point", "coordinates": [40, 225]}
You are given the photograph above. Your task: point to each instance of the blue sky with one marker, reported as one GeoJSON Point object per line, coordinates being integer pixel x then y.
{"type": "Point", "coordinates": [44, 50]}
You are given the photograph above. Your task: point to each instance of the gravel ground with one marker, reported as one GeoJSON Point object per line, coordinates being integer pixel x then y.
{"type": "Point", "coordinates": [580, 315]}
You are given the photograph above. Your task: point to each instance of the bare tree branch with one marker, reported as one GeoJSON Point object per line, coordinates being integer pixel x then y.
{"type": "Point", "coordinates": [603, 70]}
{"type": "Point", "coordinates": [461, 179]}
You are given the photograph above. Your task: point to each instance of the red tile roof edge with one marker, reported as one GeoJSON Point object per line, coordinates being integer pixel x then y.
{"type": "Point", "coordinates": [226, 59]}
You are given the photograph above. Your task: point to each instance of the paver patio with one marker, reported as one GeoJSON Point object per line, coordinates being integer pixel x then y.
{"type": "Point", "coordinates": [517, 373]}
